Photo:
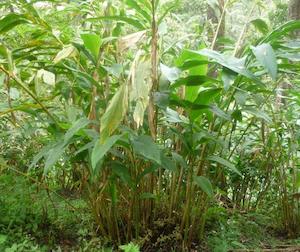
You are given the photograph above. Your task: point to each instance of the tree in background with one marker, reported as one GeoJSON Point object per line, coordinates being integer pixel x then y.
{"type": "Point", "coordinates": [294, 9]}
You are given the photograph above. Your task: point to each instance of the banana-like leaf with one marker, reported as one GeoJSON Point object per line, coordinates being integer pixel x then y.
{"type": "Point", "coordinates": [114, 113]}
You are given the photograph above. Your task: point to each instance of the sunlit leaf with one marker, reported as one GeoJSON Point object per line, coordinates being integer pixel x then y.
{"type": "Point", "coordinates": [92, 42]}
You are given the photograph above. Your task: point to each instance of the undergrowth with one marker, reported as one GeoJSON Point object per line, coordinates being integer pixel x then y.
{"type": "Point", "coordinates": [33, 220]}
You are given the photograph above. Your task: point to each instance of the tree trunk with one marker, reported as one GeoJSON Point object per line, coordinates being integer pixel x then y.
{"type": "Point", "coordinates": [294, 9]}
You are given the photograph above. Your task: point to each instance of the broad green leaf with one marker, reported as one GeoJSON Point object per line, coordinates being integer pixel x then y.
{"type": "Point", "coordinates": [205, 185]}
{"type": "Point", "coordinates": [100, 149]}
{"type": "Point", "coordinates": [265, 55]}
{"type": "Point", "coordinates": [225, 163]}
{"type": "Point", "coordinates": [179, 160]}
{"type": "Point", "coordinates": [189, 64]}
{"type": "Point", "coordinates": [220, 113]}
{"type": "Point", "coordinates": [195, 80]}
{"type": "Point", "coordinates": [11, 20]}
{"type": "Point", "coordinates": [203, 101]}
{"type": "Point", "coordinates": [260, 25]}
{"type": "Point", "coordinates": [168, 163]}
{"type": "Point", "coordinates": [258, 114]}
{"type": "Point", "coordinates": [141, 10]}
{"type": "Point", "coordinates": [207, 95]}
{"type": "Point", "coordinates": [241, 97]}
{"type": "Point", "coordinates": [234, 64]}
{"type": "Point", "coordinates": [122, 172]}
{"type": "Point", "coordinates": [3, 239]}
{"type": "Point", "coordinates": [53, 156]}
{"type": "Point", "coordinates": [83, 75]}
{"type": "Point", "coordinates": [144, 146]}
{"type": "Point", "coordinates": [87, 146]}
{"type": "Point", "coordinates": [281, 31]}
{"type": "Point", "coordinates": [114, 113]}
{"type": "Point", "coordinates": [129, 20]}
{"type": "Point", "coordinates": [78, 125]}
{"type": "Point", "coordinates": [92, 42]}
{"type": "Point", "coordinates": [82, 49]}
{"type": "Point", "coordinates": [228, 78]}
{"type": "Point", "coordinates": [198, 70]}
{"type": "Point", "coordinates": [40, 155]}
{"type": "Point", "coordinates": [172, 116]}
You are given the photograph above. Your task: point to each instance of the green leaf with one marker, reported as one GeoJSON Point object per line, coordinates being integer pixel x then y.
{"type": "Point", "coordinates": [234, 64]}
{"type": "Point", "coordinates": [258, 114]}
{"type": "Point", "coordinates": [130, 248]}
{"type": "Point", "coordinates": [172, 116]}
{"type": "Point", "coordinates": [260, 25]}
{"type": "Point", "coordinates": [194, 80]}
{"type": "Point", "coordinates": [100, 149]}
{"type": "Point", "coordinates": [265, 55]}
{"type": "Point", "coordinates": [220, 113]}
{"type": "Point", "coordinates": [12, 20]}
{"type": "Point", "coordinates": [241, 97]}
{"type": "Point", "coordinates": [92, 42]}
{"type": "Point", "coordinates": [144, 146]}
{"type": "Point", "coordinates": [40, 155]}
{"type": "Point", "coordinates": [66, 52]}
{"type": "Point", "coordinates": [132, 21]}
{"type": "Point", "coordinates": [225, 163]}
{"type": "Point", "coordinates": [53, 155]}
{"type": "Point", "coordinates": [282, 30]}
{"type": "Point", "coordinates": [134, 5]}
{"type": "Point", "coordinates": [205, 185]}
{"type": "Point", "coordinates": [78, 125]}
{"type": "Point", "coordinates": [197, 70]}
{"type": "Point", "coordinates": [179, 160]}
{"type": "Point", "coordinates": [114, 113]}
{"type": "Point", "coordinates": [168, 163]}
{"type": "Point", "coordinates": [122, 172]}
{"type": "Point", "coordinates": [3, 239]}
{"type": "Point", "coordinates": [165, 13]}
{"type": "Point", "coordinates": [228, 78]}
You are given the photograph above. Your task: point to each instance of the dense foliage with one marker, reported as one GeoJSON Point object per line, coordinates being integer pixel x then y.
{"type": "Point", "coordinates": [163, 125]}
